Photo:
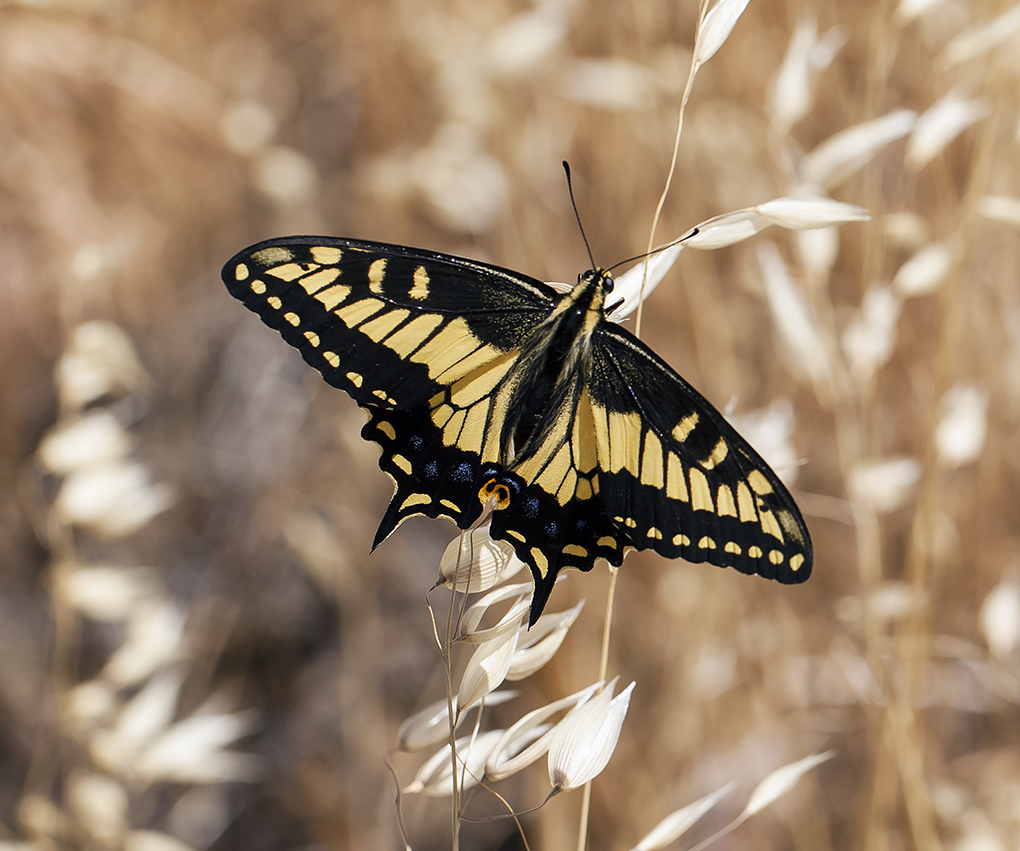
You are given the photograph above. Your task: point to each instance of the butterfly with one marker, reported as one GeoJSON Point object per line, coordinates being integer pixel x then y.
{"type": "Point", "coordinates": [487, 389]}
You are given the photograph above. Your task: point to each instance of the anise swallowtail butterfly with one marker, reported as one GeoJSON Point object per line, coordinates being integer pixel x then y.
{"type": "Point", "coordinates": [484, 386]}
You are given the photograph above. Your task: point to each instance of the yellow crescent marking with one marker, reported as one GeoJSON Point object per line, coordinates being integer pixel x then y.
{"type": "Point", "coordinates": [416, 499]}
{"type": "Point", "coordinates": [274, 302]}
{"type": "Point", "coordinates": [706, 543]}
{"type": "Point", "coordinates": [681, 540]}
{"type": "Point", "coordinates": [293, 319]}
{"type": "Point", "coordinates": [240, 272]}
{"type": "Point", "coordinates": [451, 505]}
{"type": "Point", "coordinates": [541, 562]}
{"type": "Point", "coordinates": [776, 557]}
{"type": "Point", "coordinates": [575, 550]}
{"type": "Point", "coordinates": [515, 534]}
{"type": "Point", "coordinates": [312, 338]}
{"type": "Point", "coordinates": [654, 533]}
{"type": "Point", "coordinates": [355, 378]}
{"type": "Point", "coordinates": [387, 429]}
{"type": "Point", "coordinates": [731, 547]}
{"type": "Point", "coordinates": [606, 542]}
{"type": "Point", "coordinates": [258, 287]}
{"type": "Point", "coordinates": [754, 552]}
{"type": "Point", "coordinates": [685, 427]}
{"type": "Point", "coordinates": [402, 463]}
{"type": "Point", "coordinates": [796, 561]}
{"type": "Point", "coordinates": [326, 254]}
{"type": "Point", "coordinates": [333, 358]}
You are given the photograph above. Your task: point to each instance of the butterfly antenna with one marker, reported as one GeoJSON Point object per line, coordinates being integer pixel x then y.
{"type": "Point", "coordinates": [677, 241]}
{"type": "Point", "coordinates": [573, 203]}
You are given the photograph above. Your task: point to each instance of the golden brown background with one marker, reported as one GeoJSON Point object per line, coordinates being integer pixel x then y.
{"type": "Point", "coordinates": [143, 143]}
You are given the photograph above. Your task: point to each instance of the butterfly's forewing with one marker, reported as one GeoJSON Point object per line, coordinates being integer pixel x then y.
{"type": "Point", "coordinates": [678, 478]}
{"type": "Point", "coordinates": [420, 339]}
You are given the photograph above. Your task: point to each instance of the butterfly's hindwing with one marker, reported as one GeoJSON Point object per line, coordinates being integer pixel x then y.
{"type": "Point", "coordinates": [678, 478]}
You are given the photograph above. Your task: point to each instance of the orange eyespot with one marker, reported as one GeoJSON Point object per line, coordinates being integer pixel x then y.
{"type": "Point", "coordinates": [497, 492]}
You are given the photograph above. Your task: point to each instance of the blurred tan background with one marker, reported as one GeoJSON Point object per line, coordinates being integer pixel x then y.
{"type": "Point", "coordinates": [186, 509]}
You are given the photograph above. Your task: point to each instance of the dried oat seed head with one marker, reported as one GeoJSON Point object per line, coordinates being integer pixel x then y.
{"type": "Point", "coordinates": [999, 619]}
{"type": "Point", "coordinates": [523, 43]}
{"type": "Point", "coordinates": [487, 668]}
{"type": "Point", "coordinates": [979, 39]}
{"type": "Point", "coordinates": [790, 93]}
{"type": "Point", "coordinates": [474, 562]}
{"type": "Point", "coordinates": [1001, 208]}
{"type": "Point", "coordinates": [541, 642]}
{"type": "Point", "coordinates": [153, 639]}
{"type": "Point", "coordinates": [431, 725]}
{"type": "Point", "coordinates": [961, 432]}
{"type": "Point", "coordinates": [793, 319]}
{"type": "Point", "coordinates": [609, 84]}
{"type": "Point", "coordinates": [676, 824]}
{"type": "Point", "coordinates": [628, 285]}
{"type": "Point", "coordinates": [839, 156]}
{"type": "Point", "coordinates": [531, 733]}
{"type": "Point", "coordinates": [728, 229]}
{"type": "Point", "coordinates": [885, 485]}
{"type": "Point", "coordinates": [191, 751]}
{"type": "Point", "coordinates": [870, 338]}
{"type": "Point", "coordinates": [781, 781]}
{"type": "Point", "coordinates": [925, 272]}
{"type": "Point", "coordinates": [585, 739]}
{"type": "Point", "coordinates": [716, 28]}
{"type": "Point", "coordinates": [100, 804]}
{"type": "Point", "coordinates": [93, 439]}
{"type": "Point", "coordinates": [100, 360]}
{"type": "Point", "coordinates": [803, 212]}
{"type": "Point", "coordinates": [151, 840]}
{"type": "Point", "coordinates": [942, 122]}
{"type": "Point", "coordinates": [113, 499]}
{"type": "Point", "coordinates": [520, 595]}
{"type": "Point", "coordinates": [434, 778]}
{"type": "Point", "coordinates": [105, 593]}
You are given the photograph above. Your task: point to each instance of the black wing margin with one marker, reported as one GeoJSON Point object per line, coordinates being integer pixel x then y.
{"type": "Point", "coordinates": [677, 478]}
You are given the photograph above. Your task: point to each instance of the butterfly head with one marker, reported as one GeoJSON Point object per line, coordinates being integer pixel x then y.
{"type": "Point", "coordinates": [600, 277]}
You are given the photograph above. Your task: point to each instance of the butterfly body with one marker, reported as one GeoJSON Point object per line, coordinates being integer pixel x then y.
{"type": "Point", "coordinates": [486, 388]}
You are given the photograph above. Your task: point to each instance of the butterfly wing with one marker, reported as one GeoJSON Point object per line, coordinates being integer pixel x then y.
{"type": "Point", "coordinates": [675, 477]}
{"type": "Point", "coordinates": [420, 339]}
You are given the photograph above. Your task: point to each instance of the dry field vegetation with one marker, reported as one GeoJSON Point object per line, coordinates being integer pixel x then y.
{"type": "Point", "coordinates": [199, 650]}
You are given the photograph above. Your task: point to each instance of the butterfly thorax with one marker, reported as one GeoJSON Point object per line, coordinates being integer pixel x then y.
{"type": "Point", "coordinates": [551, 369]}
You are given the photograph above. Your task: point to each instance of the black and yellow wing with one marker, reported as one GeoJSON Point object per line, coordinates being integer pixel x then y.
{"type": "Point", "coordinates": [418, 338]}
{"type": "Point", "coordinates": [482, 384]}
{"type": "Point", "coordinates": [677, 478]}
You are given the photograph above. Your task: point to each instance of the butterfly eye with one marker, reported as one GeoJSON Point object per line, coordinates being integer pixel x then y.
{"type": "Point", "coordinates": [607, 283]}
